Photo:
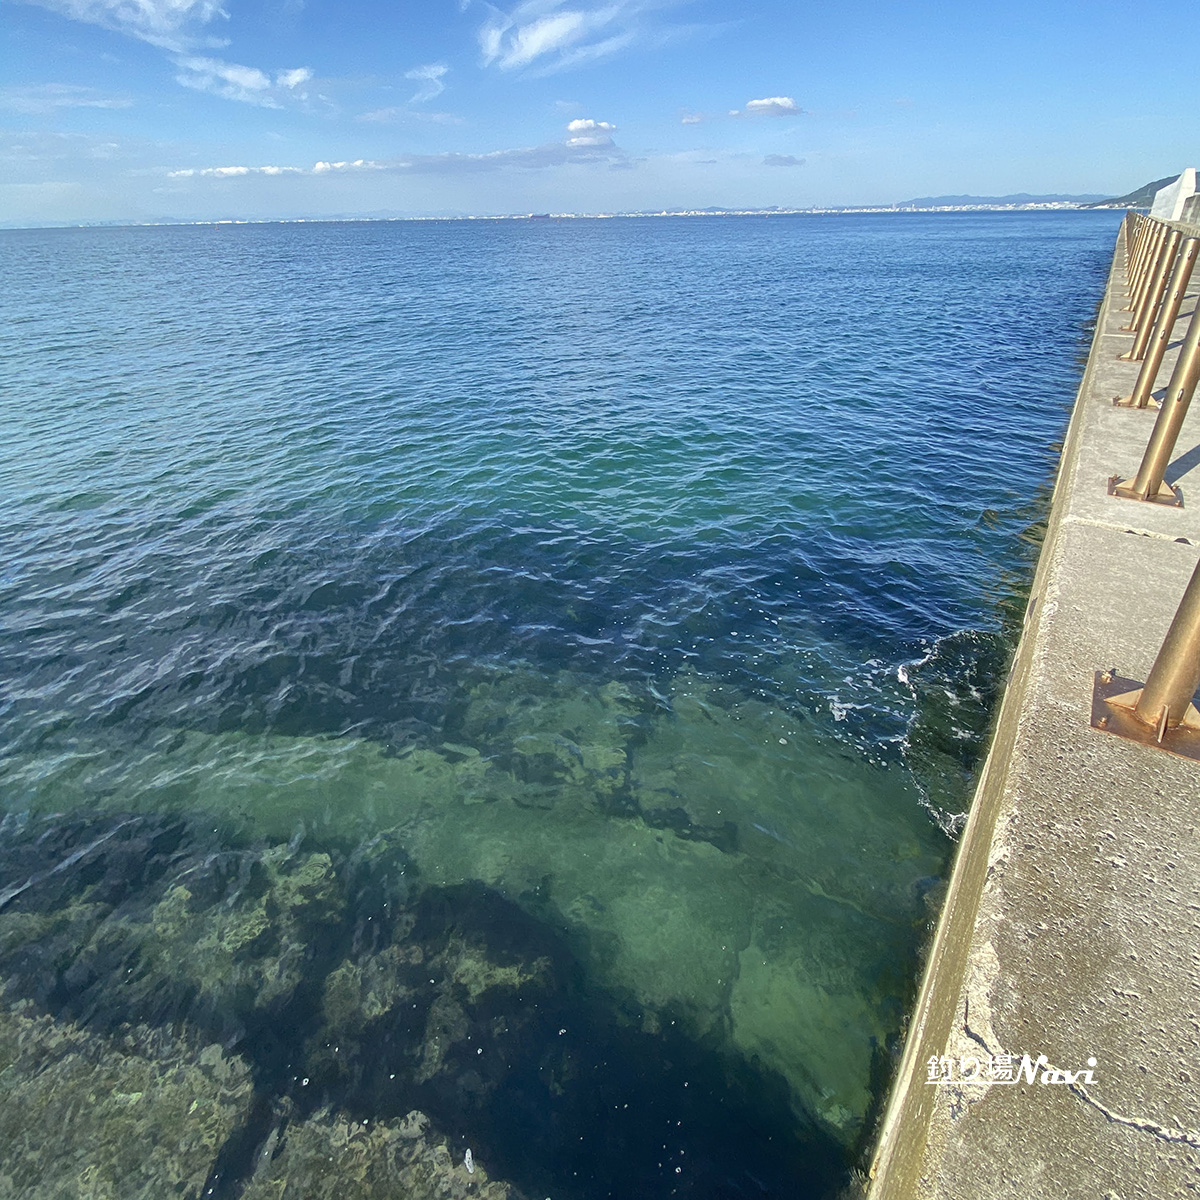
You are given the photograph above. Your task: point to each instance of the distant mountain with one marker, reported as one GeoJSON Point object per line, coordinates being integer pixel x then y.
{"type": "Point", "coordinates": [1017, 198]}
{"type": "Point", "coordinates": [1142, 198]}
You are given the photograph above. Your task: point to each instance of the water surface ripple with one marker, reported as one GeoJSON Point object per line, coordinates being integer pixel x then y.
{"type": "Point", "coordinates": [607, 612]}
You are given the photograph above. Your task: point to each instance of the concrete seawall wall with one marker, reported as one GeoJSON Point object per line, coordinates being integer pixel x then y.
{"type": "Point", "coordinates": [1071, 927]}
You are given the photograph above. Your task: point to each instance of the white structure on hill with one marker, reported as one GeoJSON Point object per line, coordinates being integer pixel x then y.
{"type": "Point", "coordinates": [1169, 201]}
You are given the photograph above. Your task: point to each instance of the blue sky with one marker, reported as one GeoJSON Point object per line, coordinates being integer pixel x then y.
{"type": "Point", "coordinates": [144, 109]}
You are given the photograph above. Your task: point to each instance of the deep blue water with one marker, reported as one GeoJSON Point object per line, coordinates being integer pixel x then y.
{"type": "Point", "coordinates": [641, 583]}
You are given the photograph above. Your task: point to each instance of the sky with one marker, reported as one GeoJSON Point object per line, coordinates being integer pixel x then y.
{"type": "Point", "coordinates": [205, 109]}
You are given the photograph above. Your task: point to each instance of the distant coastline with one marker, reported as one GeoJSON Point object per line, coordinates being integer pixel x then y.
{"type": "Point", "coordinates": [982, 205]}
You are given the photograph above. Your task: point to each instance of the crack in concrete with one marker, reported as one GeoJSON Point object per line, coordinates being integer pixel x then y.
{"type": "Point", "coordinates": [975, 1037]}
{"type": "Point", "coordinates": [1165, 1133]}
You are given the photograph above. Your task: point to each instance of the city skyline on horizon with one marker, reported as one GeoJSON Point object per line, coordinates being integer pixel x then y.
{"type": "Point", "coordinates": [145, 110]}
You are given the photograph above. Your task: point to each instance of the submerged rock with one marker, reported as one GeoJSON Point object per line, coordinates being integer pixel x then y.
{"type": "Point", "coordinates": [332, 1156]}
{"type": "Point", "coordinates": [137, 1116]}
{"type": "Point", "coordinates": [159, 921]}
{"type": "Point", "coordinates": [357, 992]}
{"type": "Point", "coordinates": [551, 741]}
{"type": "Point", "coordinates": [444, 1012]}
{"type": "Point", "coordinates": [242, 932]}
{"type": "Point", "coordinates": [795, 1018]}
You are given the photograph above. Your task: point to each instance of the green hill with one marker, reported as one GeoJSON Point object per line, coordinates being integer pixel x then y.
{"type": "Point", "coordinates": [1142, 198]}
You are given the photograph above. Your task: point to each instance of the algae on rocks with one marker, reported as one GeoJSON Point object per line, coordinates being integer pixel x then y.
{"type": "Point", "coordinates": [136, 1116]}
{"type": "Point", "coordinates": [332, 1156]}
{"type": "Point", "coordinates": [154, 920]}
{"type": "Point", "coordinates": [305, 1001]}
{"type": "Point", "coordinates": [684, 841]}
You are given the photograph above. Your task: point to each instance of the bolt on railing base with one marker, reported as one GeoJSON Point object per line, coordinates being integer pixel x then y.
{"type": "Point", "coordinates": [1113, 702]}
{"type": "Point", "coordinates": [1166, 494]}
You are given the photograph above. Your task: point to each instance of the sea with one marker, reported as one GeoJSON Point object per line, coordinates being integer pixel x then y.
{"type": "Point", "coordinates": [486, 706]}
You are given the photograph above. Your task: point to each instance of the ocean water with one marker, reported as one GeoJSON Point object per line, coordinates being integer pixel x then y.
{"type": "Point", "coordinates": [499, 686]}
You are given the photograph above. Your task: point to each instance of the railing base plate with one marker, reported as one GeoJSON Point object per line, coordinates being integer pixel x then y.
{"type": "Point", "coordinates": [1166, 494]}
{"type": "Point", "coordinates": [1113, 701]}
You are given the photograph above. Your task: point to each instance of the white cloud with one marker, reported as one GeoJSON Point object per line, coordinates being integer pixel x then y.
{"type": "Point", "coordinates": [165, 23]}
{"type": "Point", "coordinates": [232, 81]}
{"type": "Point", "coordinates": [771, 106]}
{"type": "Point", "coordinates": [231, 172]}
{"type": "Point", "coordinates": [554, 34]}
{"type": "Point", "coordinates": [590, 143]}
{"type": "Point", "coordinates": [586, 132]}
{"type": "Point", "coordinates": [294, 78]}
{"type": "Point", "coordinates": [533, 158]}
{"type": "Point", "coordinates": [407, 116]}
{"type": "Point", "coordinates": [40, 99]}
{"type": "Point", "coordinates": [782, 160]}
{"type": "Point", "coordinates": [177, 27]}
{"type": "Point", "coordinates": [586, 124]}
{"type": "Point", "coordinates": [359, 164]}
{"type": "Point", "coordinates": [430, 79]}
{"type": "Point", "coordinates": [545, 35]}
{"type": "Point", "coordinates": [25, 151]}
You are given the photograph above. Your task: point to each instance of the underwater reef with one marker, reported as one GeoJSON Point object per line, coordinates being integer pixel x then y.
{"type": "Point", "coordinates": [187, 1013]}
{"type": "Point", "coordinates": [766, 906]}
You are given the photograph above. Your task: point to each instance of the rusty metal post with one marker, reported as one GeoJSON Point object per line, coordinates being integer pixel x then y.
{"type": "Point", "coordinates": [1131, 274]}
{"type": "Point", "coordinates": [1158, 231]}
{"type": "Point", "coordinates": [1153, 254]}
{"type": "Point", "coordinates": [1148, 484]}
{"type": "Point", "coordinates": [1154, 236]}
{"type": "Point", "coordinates": [1145, 236]}
{"type": "Point", "coordinates": [1160, 712]}
{"type": "Point", "coordinates": [1141, 232]}
{"type": "Point", "coordinates": [1131, 254]}
{"type": "Point", "coordinates": [1157, 341]}
{"type": "Point", "coordinates": [1173, 679]}
{"type": "Point", "coordinates": [1152, 229]}
{"type": "Point", "coordinates": [1152, 297]}
{"type": "Point", "coordinates": [1133, 240]}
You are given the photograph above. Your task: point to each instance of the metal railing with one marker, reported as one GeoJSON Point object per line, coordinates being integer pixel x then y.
{"type": "Point", "coordinates": [1157, 713]}
{"type": "Point", "coordinates": [1159, 261]}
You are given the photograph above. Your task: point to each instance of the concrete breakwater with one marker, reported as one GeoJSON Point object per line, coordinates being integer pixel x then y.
{"type": "Point", "coordinates": [1055, 1047]}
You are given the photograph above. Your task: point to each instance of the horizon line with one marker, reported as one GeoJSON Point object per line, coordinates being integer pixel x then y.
{"type": "Point", "coordinates": [710, 211]}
